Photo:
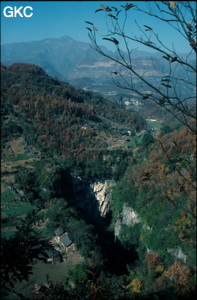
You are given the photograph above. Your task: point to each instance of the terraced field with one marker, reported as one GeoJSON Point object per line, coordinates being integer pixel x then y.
{"type": "Point", "coordinates": [14, 205]}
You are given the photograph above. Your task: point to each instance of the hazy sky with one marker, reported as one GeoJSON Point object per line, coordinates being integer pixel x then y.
{"type": "Point", "coordinates": [53, 19]}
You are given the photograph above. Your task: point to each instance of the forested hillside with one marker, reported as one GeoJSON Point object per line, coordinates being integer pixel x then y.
{"type": "Point", "coordinates": [77, 125]}
{"type": "Point", "coordinates": [58, 142]}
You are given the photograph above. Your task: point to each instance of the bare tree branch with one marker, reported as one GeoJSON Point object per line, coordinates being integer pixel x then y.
{"type": "Point", "coordinates": [180, 17]}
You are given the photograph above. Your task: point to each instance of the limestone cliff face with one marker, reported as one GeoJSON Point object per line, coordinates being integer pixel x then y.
{"type": "Point", "coordinates": [178, 253]}
{"type": "Point", "coordinates": [94, 199]}
{"type": "Point", "coordinates": [102, 192]}
{"type": "Point", "coordinates": [128, 217]}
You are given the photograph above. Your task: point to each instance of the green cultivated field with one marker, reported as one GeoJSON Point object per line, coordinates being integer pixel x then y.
{"type": "Point", "coordinates": [155, 125]}
{"type": "Point", "coordinates": [11, 207]}
{"type": "Point", "coordinates": [57, 273]}
{"type": "Point", "coordinates": [18, 157]}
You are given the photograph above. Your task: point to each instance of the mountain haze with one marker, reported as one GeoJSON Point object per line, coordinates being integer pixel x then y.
{"type": "Point", "coordinates": [80, 65]}
{"type": "Point", "coordinates": [55, 55]}
{"type": "Point", "coordinates": [77, 62]}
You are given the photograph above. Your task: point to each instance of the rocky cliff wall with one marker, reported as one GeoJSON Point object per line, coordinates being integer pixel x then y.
{"type": "Point", "coordinates": [128, 217]}
{"type": "Point", "coordinates": [102, 191]}
{"type": "Point", "coordinates": [93, 199]}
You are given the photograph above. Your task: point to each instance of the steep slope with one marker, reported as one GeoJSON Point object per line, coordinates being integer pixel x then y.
{"type": "Point", "coordinates": [65, 121]}
{"type": "Point", "coordinates": [55, 139]}
{"type": "Point", "coordinates": [60, 55]}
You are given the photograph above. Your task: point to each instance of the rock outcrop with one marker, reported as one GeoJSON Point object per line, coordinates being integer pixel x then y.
{"type": "Point", "coordinates": [93, 199]}
{"type": "Point", "coordinates": [102, 192]}
{"type": "Point", "coordinates": [128, 217]}
{"type": "Point", "coordinates": [178, 254]}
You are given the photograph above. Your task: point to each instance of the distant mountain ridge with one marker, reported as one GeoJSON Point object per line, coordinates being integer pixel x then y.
{"type": "Point", "coordinates": [59, 55]}
{"type": "Point", "coordinates": [76, 62]}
